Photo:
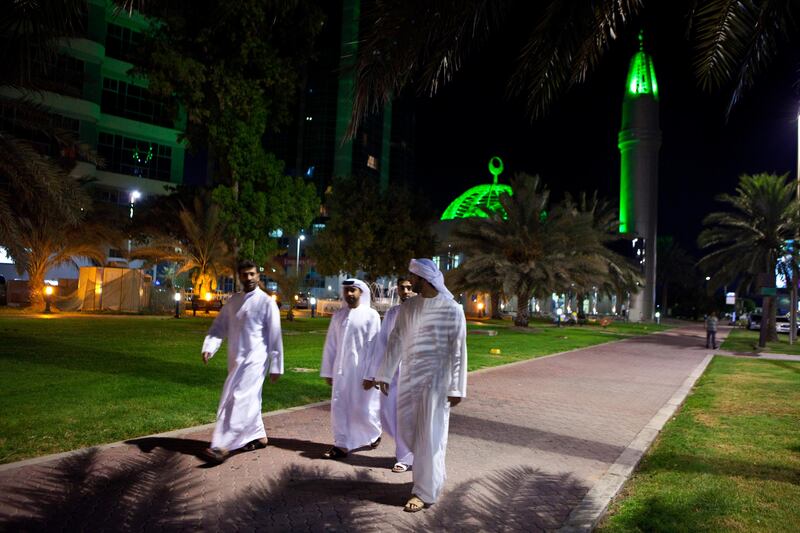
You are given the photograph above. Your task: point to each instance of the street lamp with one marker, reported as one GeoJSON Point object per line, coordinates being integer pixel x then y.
{"type": "Point", "coordinates": [177, 298]}
{"type": "Point", "coordinates": [135, 195]}
{"type": "Point", "coordinates": [300, 237]}
{"type": "Point", "coordinates": [48, 293]}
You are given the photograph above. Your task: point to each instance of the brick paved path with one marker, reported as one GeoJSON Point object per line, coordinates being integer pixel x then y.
{"type": "Point", "coordinates": [525, 447]}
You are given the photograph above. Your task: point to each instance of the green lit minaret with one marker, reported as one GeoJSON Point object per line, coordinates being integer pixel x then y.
{"type": "Point", "coordinates": [639, 143]}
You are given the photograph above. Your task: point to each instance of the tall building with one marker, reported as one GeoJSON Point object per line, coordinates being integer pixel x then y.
{"type": "Point", "coordinates": [112, 111]}
{"type": "Point", "coordinates": [639, 144]}
{"type": "Point", "coordinates": [315, 146]}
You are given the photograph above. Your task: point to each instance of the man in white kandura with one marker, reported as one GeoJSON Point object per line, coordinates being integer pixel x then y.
{"type": "Point", "coordinates": [430, 339]}
{"type": "Point", "coordinates": [403, 454]}
{"type": "Point", "coordinates": [355, 412]}
{"type": "Point", "coordinates": [251, 322]}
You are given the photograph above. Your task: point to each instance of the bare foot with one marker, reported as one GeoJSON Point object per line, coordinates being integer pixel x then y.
{"type": "Point", "coordinates": [414, 504]}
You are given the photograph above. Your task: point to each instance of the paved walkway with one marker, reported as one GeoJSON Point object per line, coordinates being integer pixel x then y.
{"type": "Point", "coordinates": [534, 447]}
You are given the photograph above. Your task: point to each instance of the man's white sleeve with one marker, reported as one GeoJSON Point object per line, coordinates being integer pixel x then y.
{"type": "Point", "coordinates": [273, 338]}
{"type": "Point", "coordinates": [331, 348]}
{"type": "Point", "coordinates": [216, 333]}
{"type": "Point", "coordinates": [393, 352]}
{"type": "Point", "coordinates": [458, 357]}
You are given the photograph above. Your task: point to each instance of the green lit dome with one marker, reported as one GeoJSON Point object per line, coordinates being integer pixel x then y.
{"type": "Point", "coordinates": [488, 195]}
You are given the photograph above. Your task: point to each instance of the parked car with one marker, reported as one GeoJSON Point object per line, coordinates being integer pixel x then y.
{"type": "Point", "coordinates": [301, 300]}
{"type": "Point", "coordinates": [783, 324]}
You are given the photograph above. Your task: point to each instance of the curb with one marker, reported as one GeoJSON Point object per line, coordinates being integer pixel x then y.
{"type": "Point", "coordinates": [592, 508]}
{"type": "Point", "coordinates": [174, 433]}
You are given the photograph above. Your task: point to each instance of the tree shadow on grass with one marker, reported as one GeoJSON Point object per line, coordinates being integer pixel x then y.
{"type": "Point", "coordinates": [700, 511]}
{"type": "Point", "coordinates": [674, 462]}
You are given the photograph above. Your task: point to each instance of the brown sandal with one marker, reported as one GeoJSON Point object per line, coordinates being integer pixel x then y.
{"type": "Point", "coordinates": [414, 504]}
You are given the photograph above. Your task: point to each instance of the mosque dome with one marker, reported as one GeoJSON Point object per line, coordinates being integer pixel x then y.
{"type": "Point", "coordinates": [469, 204]}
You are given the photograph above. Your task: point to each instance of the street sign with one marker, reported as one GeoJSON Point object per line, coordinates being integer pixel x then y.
{"type": "Point", "coordinates": [730, 298]}
{"type": "Point", "coordinates": [768, 291]}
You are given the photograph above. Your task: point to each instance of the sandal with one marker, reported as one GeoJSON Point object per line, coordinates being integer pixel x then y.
{"type": "Point", "coordinates": [255, 444]}
{"type": "Point", "coordinates": [216, 455]}
{"type": "Point", "coordinates": [414, 504]}
{"type": "Point", "coordinates": [334, 453]}
{"type": "Point", "coordinates": [375, 444]}
{"type": "Point", "coordinates": [399, 467]}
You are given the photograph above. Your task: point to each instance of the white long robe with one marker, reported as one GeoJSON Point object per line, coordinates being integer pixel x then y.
{"type": "Point", "coordinates": [251, 322]}
{"type": "Point", "coordinates": [389, 403]}
{"type": "Point", "coordinates": [430, 339]}
{"type": "Point", "coordinates": [355, 413]}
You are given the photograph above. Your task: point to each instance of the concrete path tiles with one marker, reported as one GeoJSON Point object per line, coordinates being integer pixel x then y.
{"type": "Point", "coordinates": [537, 446]}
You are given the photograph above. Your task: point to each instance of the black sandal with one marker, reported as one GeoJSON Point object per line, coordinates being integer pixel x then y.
{"type": "Point", "coordinates": [255, 445]}
{"type": "Point", "coordinates": [334, 453]}
{"type": "Point", "coordinates": [375, 444]}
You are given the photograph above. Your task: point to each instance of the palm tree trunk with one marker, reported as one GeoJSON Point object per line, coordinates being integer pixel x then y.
{"type": "Point", "coordinates": [664, 300]}
{"type": "Point", "coordinates": [495, 299]}
{"type": "Point", "coordinates": [523, 315]}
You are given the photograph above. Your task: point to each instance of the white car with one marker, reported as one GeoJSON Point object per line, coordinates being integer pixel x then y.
{"type": "Point", "coordinates": [782, 324]}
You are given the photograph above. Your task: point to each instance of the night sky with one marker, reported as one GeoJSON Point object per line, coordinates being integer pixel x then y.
{"type": "Point", "coordinates": [574, 148]}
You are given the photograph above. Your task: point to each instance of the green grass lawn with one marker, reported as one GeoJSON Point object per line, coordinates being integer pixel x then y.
{"type": "Point", "coordinates": [75, 381]}
{"type": "Point", "coordinates": [742, 340]}
{"type": "Point", "coordinates": [730, 460]}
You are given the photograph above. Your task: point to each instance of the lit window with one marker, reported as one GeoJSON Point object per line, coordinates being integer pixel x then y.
{"type": "Point", "coordinates": [372, 162]}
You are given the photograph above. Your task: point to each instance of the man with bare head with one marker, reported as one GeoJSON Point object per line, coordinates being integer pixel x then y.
{"type": "Point", "coordinates": [403, 456]}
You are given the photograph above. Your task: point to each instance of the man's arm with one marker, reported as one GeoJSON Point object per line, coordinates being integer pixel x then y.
{"type": "Point", "coordinates": [273, 340]}
{"type": "Point", "coordinates": [330, 350]}
{"type": "Point", "coordinates": [458, 360]}
{"type": "Point", "coordinates": [216, 333]}
{"type": "Point", "coordinates": [393, 353]}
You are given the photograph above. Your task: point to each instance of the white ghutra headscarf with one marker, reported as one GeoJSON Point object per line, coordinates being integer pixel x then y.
{"type": "Point", "coordinates": [427, 270]}
{"type": "Point", "coordinates": [366, 297]}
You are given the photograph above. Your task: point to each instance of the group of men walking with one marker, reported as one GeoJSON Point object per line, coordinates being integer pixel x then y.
{"type": "Point", "coordinates": [401, 376]}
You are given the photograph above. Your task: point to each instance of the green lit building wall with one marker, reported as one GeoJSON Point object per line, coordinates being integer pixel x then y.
{"type": "Point", "coordinates": [111, 111]}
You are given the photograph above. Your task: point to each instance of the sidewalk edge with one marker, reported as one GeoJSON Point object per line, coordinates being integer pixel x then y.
{"type": "Point", "coordinates": [588, 513]}
{"type": "Point", "coordinates": [174, 433]}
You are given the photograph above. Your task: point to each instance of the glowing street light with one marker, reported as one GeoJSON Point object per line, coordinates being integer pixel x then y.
{"type": "Point", "coordinates": [177, 298]}
{"type": "Point", "coordinates": [300, 237]}
{"type": "Point", "coordinates": [48, 294]}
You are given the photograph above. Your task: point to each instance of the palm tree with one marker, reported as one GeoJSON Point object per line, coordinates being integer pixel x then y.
{"type": "Point", "coordinates": [676, 268]}
{"type": "Point", "coordinates": [747, 240]}
{"type": "Point", "coordinates": [420, 45]}
{"type": "Point", "coordinates": [201, 248]}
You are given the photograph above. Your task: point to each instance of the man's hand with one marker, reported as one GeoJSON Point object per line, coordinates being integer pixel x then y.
{"type": "Point", "coordinates": [368, 384]}
{"type": "Point", "coordinates": [454, 400]}
{"type": "Point", "coordinates": [273, 378]}
{"type": "Point", "coordinates": [329, 381]}
{"type": "Point", "coordinates": [384, 388]}
{"type": "Point", "coordinates": [206, 357]}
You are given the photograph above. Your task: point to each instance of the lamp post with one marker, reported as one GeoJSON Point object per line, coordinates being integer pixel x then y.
{"type": "Point", "coordinates": [300, 237]}
{"type": "Point", "coordinates": [48, 293]}
{"type": "Point", "coordinates": [793, 269]}
{"type": "Point", "coordinates": [177, 299]}
{"type": "Point", "coordinates": [135, 195]}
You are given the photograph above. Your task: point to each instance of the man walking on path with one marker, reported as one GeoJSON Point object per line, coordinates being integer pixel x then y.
{"type": "Point", "coordinates": [403, 454]}
{"type": "Point", "coordinates": [711, 331]}
{"type": "Point", "coordinates": [251, 322]}
{"type": "Point", "coordinates": [430, 339]}
{"type": "Point", "coordinates": [355, 412]}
